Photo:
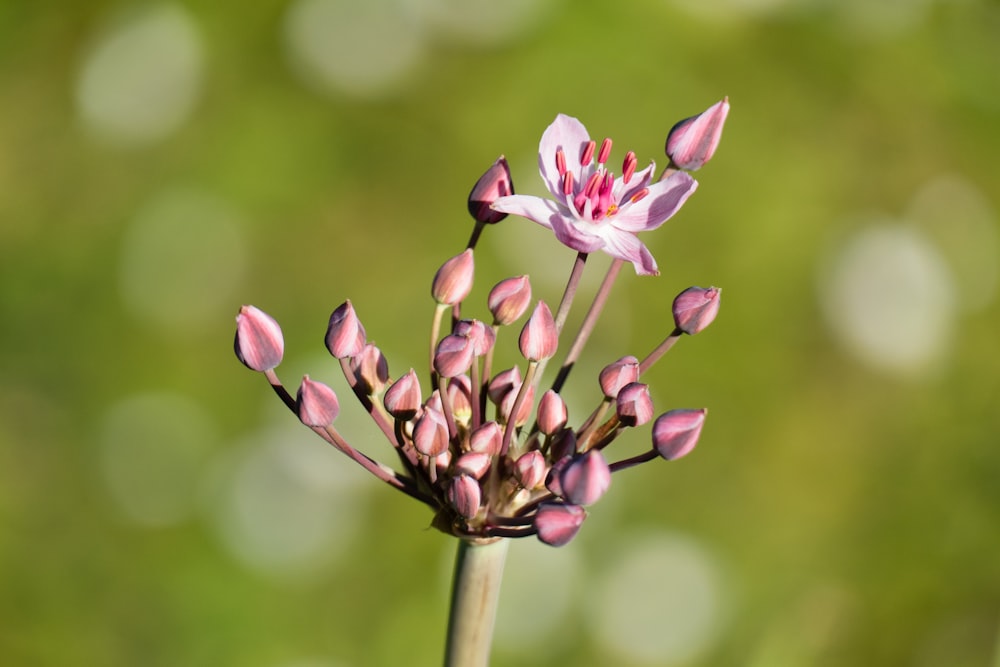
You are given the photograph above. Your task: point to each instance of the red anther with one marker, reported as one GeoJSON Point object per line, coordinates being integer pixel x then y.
{"type": "Point", "coordinates": [588, 153]}
{"type": "Point", "coordinates": [605, 152]}
{"type": "Point", "coordinates": [592, 184]}
{"type": "Point", "coordinates": [561, 161]}
{"type": "Point", "coordinates": [639, 195]}
{"type": "Point", "coordinates": [628, 166]}
{"type": "Point", "coordinates": [568, 183]}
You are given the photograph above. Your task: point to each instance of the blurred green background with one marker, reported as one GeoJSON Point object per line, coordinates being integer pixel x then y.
{"type": "Point", "coordinates": [163, 163]}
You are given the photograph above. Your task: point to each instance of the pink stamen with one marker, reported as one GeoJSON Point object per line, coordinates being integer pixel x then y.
{"type": "Point", "coordinates": [641, 194]}
{"type": "Point", "coordinates": [592, 184]}
{"type": "Point", "coordinates": [588, 153]}
{"type": "Point", "coordinates": [561, 161]}
{"type": "Point", "coordinates": [628, 167]}
{"type": "Point", "coordinates": [605, 152]}
{"type": "Point", "coordinates": [568, 183]}
{"type": "Point", "coordinates": [603, 201]}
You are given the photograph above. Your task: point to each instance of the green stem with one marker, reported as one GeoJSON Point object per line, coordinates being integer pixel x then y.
{"type": "Point", "coordinates": [474, 596]}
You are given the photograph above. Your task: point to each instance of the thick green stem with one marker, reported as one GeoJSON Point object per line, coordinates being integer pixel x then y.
{"type": "Point", "coordinates": [474, 596]}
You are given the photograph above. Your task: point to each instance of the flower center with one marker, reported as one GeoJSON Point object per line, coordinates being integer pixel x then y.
{"type": "Point", "coordinates": [594, 198]}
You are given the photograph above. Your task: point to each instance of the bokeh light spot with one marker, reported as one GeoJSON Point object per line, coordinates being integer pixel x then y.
{"type": "Point", "coordinates": [153, 447]}
{"type": "Point", "coordinates": [661, 602]}
{"type": "Point", "coordinates": [363, 49]}
{"type": "Point", "coordinates": [182, 257]}
{"type": "Point", "coordinates": [888, 295]}
{"type": "Point", "coordinates": [141, 79]}
{"type": "Point", "coordinates": [484, 22]}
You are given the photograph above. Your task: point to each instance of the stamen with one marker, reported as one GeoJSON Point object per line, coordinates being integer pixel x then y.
{"type": "Point", "coordinates": [605, 152]}
{"type": "Point", "coordinates": [592, 185]}
{"type": "Point", "coordinates": [628, 167]}
{"type": "Point", "coordinates": [588, 153]}
{"type": "Point", "coordinates": [568, 183]}
{"type": "Point", "coordinates": [560, 161]}
{"type": "Point", "coordinates": [641, 194]}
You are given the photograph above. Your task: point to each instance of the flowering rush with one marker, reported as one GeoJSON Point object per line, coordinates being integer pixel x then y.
{"type": "Point", "coordinates": [472, 443]}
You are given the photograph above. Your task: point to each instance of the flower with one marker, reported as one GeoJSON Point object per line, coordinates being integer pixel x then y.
{"type": "Point", "coordinates": [591, 209]}
{"type": "Point", "coordinates": [692, 142]}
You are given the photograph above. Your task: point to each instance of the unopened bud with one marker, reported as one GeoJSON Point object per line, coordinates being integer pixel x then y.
{"type": "Point", "coordinates": [503, 382]}
{"type": "Point", "coordinates": [487, 439]}
{"type": "Point", "coordinates": [492, 185]}
{"type": "Point", "coordinates": [460, 395]}
{"type": "Point", "coordinates": [617, 374]}
{"type": "Point", "coordinates": [695, 308]}
{"type": "Point", "coordinates": [552, 413]}
{"type": "Point", "coordinates": [402, 399]}
{"type": "Point", "coordinates": [259, 344]}
{"type": "Point", "coordinates": [465, 495]}
{"type": "Point", "coordinates": [539, 338]}
{"type": "Point", "coordinates": [585, 478]}
{"type": "Point", "coordinates": [558, 523]}
{"type": "Point", "coordinates": [530, 469]}
{"type": "Point", "coordinates": [345, 336]}
{"type": "Point", "coordinates": [508, 300]}
{"type": "Point", "coordinates": [692, 142]}
{"type": "Point", "coordinates": [453, 281]}
{"type": "Point", "coordinates": [523, 412]}
{"type": "Point", "coordinates": [675, 433]}
{"type": "Point", "coordinates": [317, 404]}
{"type": "Point", "coordinates": [475, 464]}
{"type": "Point", "coordinates": [371, 369]}
{"type": "Point", "coordinates": [481, 336]}
{"type": "Point", "coordinates": [453, 356]}
{"type": "Point", "coordinates": [634, 404]}
{"type": "Point", "coordinates": [430, 433]}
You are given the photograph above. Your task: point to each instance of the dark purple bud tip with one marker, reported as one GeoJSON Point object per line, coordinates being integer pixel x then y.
{"type": "Point", "coordinates": [695, 308]}
{"type": "Point", "coordinates": [692, 142]}
{"type": "Point", "coordinates": [317, 404]}
{"type": "Point", "coordinates": [259, 343]}
{"type": "Point", "coordinates": [557, 523]}
{"type": "Point", "coordinates": [675, 433]}
{"type": "Point", "coordinates": [492, 185]}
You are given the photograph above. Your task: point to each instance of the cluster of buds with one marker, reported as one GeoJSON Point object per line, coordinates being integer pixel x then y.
{"type": "Point", "coordinates": [476, 446]}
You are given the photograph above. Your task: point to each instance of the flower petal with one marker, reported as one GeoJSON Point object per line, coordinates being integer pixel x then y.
{"type": "Point", "coordinates": [570, 135]}
{"type": "Point", "coordinates": [535, 209]}
{"type": "Point", "coordinates": [664, 199]}
{"type": "Point", "coordinates": [627, 246]}
{"type": "Point", "coordinates": [572, 233]}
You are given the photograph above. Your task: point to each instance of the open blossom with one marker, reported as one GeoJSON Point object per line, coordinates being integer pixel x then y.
{"type": "Point", "coordinates": [591, 209]}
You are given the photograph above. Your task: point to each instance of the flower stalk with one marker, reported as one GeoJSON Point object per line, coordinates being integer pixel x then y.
{"type": "Point", "coordinates": [474, 596]}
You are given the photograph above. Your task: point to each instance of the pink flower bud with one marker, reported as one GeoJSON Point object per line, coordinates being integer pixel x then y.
{"type": "Point", "coordinates": [317, 404]}
{"type": "Point", "coordinates": [345, 337]}
{"type": "Point", "coordinates": [634, 404]}
{"type": "Point", "coordinates": [503, 382]}
{"type": "Point", "coordinates": [487, 439]}
{"type": "Point", "coordinates": [585, 478]}
{"type": "Point", "coordinates": [552, 482]}
{"type": "Point", "coordinates": [259, 343]}
{"type": "Point", "coordinates": [509, 299]}
{"type": "Point", "coordinates": [523, 413]}
{"type": "Point", "coordinates": [558, 523]}
{"type": "Point", "coordinates": [692, 142]}
{"type": "Point", "coordinates": [530, 469]}
{"type": "Point", "coordinates": [539, 338]}
{"type": "Point", "coordinates": [474, 464]}
{"type": "Point", "coordinates": [402, 399]}
{"type": "Point", "coordinates": [464, 495]}
{"type": "Point", "coordinates": [675, 433]}
{"type": "Point", "coordinates": [453, 281]}
{"type": "Point", "coordinates": [552, 413]}
{"type": "Point", "coordinates": [695, 308]}
{"type": "Point", "coordinates": [453, 356]}
{"type": "Point", "coordinates": [371, 369]}
{"type": "Point", "coordinates": [430, 433]}
{"type": "Point", "coordinates": [460, 395]}
{"type": "Point", "coordinates": [492, 185]}
{"type": "Point", "coordinates": [481, 336]}
{"type": "Point", "coordinates": [617, 374]}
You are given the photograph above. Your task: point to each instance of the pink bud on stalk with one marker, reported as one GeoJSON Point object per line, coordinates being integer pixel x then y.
{"type": "Point", "coordinates": [585, 478]}
{"type": "Point", "coordinates": [634, 404]}
{"type": "Point", "coordinates": [692, 142]}
{"type": "Point", "coordinates": [345, 336]}
{"type": "Point", "coordinates": [453, 356]}
{"type": "Point", "coordinates": [509, 299]}
{"type": "Point", "coordinates": [492, 185]}
{"type": "Point", "coordinates": [552, 413]}
{"type": "Point", "coordinates": [475, 464]}
{"type": "Point", "coordinates": [430, 433]}
{"type": "Point", "coordinates": [483, 338]}
{"type": "Point", "coordinates": [487, 439]}
{"type": "Point", "coordinates": [617, 374]}
{"type": "Point", "coordinates": [557, 523]}
{"type": "Point", "coordinates": [695, 308]}
{"type": "Point", "coordinates": [371, 369]}
{"type": "Point", "coordinates": [402, 400]}
{"type": "Point", "coordinates": [453, 281]}
{"type": "Point", "coordinates": [675, 433]}
{"type": "Point", "coordinates": [539, 338]}
{"type": "Point", "coordinates": [530, 469]}
{"type": "Point", "coordinates": [317, 404]}
{"type": "Point", "coordinates": [259, 343]}
{"type": "Point", "coordinates": [465, 495]}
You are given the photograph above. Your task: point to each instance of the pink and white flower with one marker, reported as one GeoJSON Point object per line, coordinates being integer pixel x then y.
{"type": "Point", "coordinates": [591, 209]}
